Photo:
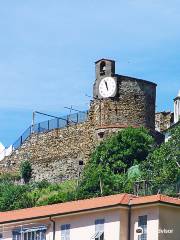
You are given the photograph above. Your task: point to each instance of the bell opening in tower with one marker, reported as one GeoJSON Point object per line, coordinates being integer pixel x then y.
{"type": "Point", "coordinates": [102, 68]}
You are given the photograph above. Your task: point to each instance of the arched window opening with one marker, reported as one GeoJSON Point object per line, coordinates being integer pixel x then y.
{"type": "Point", "coordinates": [102, 68]}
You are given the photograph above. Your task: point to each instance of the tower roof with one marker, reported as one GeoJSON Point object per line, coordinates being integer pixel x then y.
{"type": "Point", "coordinates": [178, 96]}
{"type": "Point", "coordinates": [178, 93]}
{"type": "Point", "coordinates": [105, 59]}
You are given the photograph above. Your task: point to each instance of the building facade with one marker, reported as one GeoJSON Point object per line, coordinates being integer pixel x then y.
{"type": "Point", "coordinates": [116, 217]}
{"type": "Point", "coordinates": [166, 119]}
{"type": "Point", "coordinates": [177, 108]}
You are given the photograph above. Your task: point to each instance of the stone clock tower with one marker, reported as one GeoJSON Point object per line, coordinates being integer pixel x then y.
{"type": "Point", "coordinates": [121, 101]}
{"type": "Point", "coordinates": [105, 75]}
{"type": "Point", "coordinates": [60, 153]}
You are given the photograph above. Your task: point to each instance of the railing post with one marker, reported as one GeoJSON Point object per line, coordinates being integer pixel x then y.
{"type": "Point", "coordinates": [39, 126]}
{"type": "Point", "coordinates": [57, 122]}
{"type": "Point", "coordinates": [21, 139]}
{"type": "Point", "coordinates": [77, 117]}
{"type": "Point", "coordinates": [48, 125]}
{"type": "Point", "coordinates": [67, 120]}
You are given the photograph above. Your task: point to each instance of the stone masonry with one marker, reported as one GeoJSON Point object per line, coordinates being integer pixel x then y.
{"type": "Point", "coordinates": [163, 120]}
{"type": "Point", "coordinates": [55, 155]}
{"type": "Point", "coordinates": [60, 154]}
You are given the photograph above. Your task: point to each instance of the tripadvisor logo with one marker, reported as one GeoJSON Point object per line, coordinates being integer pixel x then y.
{"type": "Point", "coordinates": [165, 231]}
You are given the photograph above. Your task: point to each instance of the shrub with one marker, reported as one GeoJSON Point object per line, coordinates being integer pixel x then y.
{"type": "Point", "coordinates": [26, 171]}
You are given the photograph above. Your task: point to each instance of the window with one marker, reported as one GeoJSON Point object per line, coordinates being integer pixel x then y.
{"type": "Point", "coordinates": [1, 236]}
{"type": "Point", "coordinates": [102, 68]}
{"type": "Point", "coordinates": [35, 233]}
{"type": "Point", "coordinates": [81, 163]}
{"type": "Point", "coordinates": [99, 229]}
{"type": "Point", "coordinates": [101, 134]}
{"type": "Point", "coordinates": [142, 222]}
{"type": "Point", "coordinates": [65, 232]}
{"type": "Point", "coordinates": [16, 235]}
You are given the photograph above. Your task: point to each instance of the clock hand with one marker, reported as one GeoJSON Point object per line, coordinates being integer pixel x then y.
{"type": "Point", "coordinates": [106, 85]}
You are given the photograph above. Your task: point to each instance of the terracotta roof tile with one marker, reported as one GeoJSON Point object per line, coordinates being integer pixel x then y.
{"type": "Point", "coordinates": [65, 208]}
{"type": "Point", "coordinates": [154, 198]}
{"type": "Point", "coordinates": [83, 205]}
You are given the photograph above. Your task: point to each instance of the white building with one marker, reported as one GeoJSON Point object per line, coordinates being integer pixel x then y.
{"type": "Point", "coordinates": [4, 152]}
{"type": "Point", "coordinates": [1, 147]}
{"type": "Point", "coordinates": [167, 133]}
{"type": "Point", "coordinates": [177, 108]}
{"type": "Point", "coordinates": [116, 217]}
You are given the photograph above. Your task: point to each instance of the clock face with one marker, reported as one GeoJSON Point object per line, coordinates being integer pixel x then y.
{"type": "Point", "coordinates": [107, 87]}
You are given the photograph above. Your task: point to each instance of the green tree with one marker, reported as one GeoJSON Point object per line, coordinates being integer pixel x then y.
{"type": "Point", "coordinates": [26, 171]}
{"type": "Point", "coordinates": [14, 197]}
{"type": "Point", "coordinates": [49, 193]}
{"type": "Point", "coordinates": [162, 167]}
{"type": "Point", "coordinates": [107, 170]}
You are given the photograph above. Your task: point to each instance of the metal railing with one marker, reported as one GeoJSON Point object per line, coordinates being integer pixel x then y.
{"type": "Point", "coordinates": [49, 125]}
{"type": "Point", "coordinates": [171, 189]}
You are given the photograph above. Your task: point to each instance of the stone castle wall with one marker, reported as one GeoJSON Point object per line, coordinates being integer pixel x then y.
{"type": "Point", "coordinates": [163, 120]}
{"type": "Point", "coordinates": [58, 154]}
{"type": "Point", "coordinates": [134, 104]}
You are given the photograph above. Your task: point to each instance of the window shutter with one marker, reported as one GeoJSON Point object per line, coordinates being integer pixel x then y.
{"type": "Point", "coordinates": [142, 222]}
{"type": "Point", "coordinates": [65, 232]}
{"type": "Point", "coordinates": [99, 229]}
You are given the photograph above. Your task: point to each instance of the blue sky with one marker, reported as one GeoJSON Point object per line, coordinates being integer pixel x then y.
{"type": "Point", "coordinates": [48, 49]}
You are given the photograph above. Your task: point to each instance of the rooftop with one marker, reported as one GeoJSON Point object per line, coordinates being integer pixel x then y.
{"type": "Point", "coordinates": [84, 205]}
{"type": "Point", "coordinates": [178, 96]}
{"type": "Point", "coordinates": [104, 59]}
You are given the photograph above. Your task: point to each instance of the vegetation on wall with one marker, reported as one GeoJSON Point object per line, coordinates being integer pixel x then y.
{"type": "Point", "coordinates": [115, 165]}
{"type": "Point", "coordinates": [10, 177]}
{"type": "Point", "coordinates": [26, 170]}
{"type": "Point", "coordinates": [15, 196]}
{"type": "Point", "coordinates": [108, 169]}
{"type": "Point", "coordinates": [163, 166]}
{"type": "Point", "coordinates": [130, 157]}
